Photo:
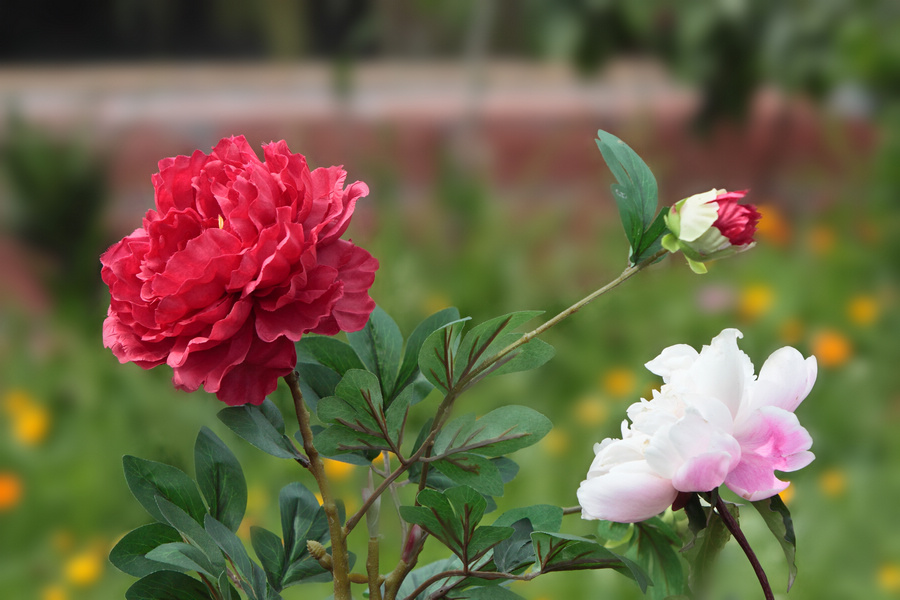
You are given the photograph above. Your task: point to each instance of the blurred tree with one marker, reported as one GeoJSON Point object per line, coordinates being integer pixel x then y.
{"type": "Point", "coordinates": [57, 191]}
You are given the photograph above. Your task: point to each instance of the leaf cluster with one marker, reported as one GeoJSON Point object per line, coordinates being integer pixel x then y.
{"type": "Point", "coordinates": [192, 552]}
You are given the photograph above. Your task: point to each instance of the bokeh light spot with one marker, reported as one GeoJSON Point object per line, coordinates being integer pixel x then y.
{"type": "Point", "coordinates": [10, 490]}
{"type": "Point", "coordinates": [831, 348]}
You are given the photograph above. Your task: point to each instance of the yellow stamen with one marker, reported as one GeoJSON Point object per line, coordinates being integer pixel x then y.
{"type": "Point", "coordinates": [221, 222]}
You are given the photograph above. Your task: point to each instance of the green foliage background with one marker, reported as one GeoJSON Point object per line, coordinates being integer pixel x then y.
{"type": "Point", "coordinates": [474, 248]}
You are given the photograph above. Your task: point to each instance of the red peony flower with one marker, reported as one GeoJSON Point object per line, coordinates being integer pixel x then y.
{"type": "Point", "coordinates": [237, 262]}
{"type": "Point", "coordinates": [710, 225]}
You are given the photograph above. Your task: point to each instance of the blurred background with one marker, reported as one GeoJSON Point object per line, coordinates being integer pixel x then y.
{"type": "Point", "coordinates": [473, 122]}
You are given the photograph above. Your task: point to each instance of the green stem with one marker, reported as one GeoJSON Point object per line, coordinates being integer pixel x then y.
{"type": "Point", "coordinates": [339, 555]}
{"type": "Point", "coordinates": [627, 274]}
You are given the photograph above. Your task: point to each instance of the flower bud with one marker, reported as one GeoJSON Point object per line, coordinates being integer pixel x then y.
{"type": "Point", "coordinates": [710, 225]}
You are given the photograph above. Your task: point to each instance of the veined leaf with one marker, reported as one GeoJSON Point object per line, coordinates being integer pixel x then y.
{"type": "Point", "coordinates": [128, 555]}
{"type": "Point", "coordinates": [329, 352]}
{"type": "Point", "coordinates": [149, 480]}
{"type": "Point", "coordinates": [501, 431]}
{"type": "Point", "coordinates": [270, 551]}
{"type": "Point", "coordinates": [378, 345]}
{"type": "Point", "coordinates": [193, 533]}
{"type": "Point", "coordinates": [486, 339]}
{"type": "Point", "coordinates": [438, 355]}
{"type": "Point", "coordinates": [409, 369]}
{"type": "Point", "coordinates": [636, 192]}
{"type": "Point", "coordinates": [262, 426]}
{"type": "Point", "coordinates": [184, 557]}
{"type": "Point", "coordinates": [168, 585]}
{"type": "Point", "coordinates": [561, 552]}
{"type": "Point", "coordinates": [220, 478]}
{"type": "Point", "coordinates": [472, 470]}
{"type": "Point", "coordinates": [655, 550]}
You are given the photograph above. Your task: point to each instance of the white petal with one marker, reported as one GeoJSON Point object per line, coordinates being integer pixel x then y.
{"type": "Point", "coordinates": [674, 358]}
{"type": "Point", "coordinates": [784, 380]}
{"type": "Point", "coordinates": [697, 213]}
{"type": "Point", "coordinates": [723, 371]}
{"type": "Point", "coordinates": [626, 494]}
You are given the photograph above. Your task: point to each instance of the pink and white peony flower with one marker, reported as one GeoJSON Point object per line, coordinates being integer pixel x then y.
{"type": "Point", "coordinates": [712, 423]}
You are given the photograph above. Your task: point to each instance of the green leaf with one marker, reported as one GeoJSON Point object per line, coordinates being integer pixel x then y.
{"type": "Point", "coordinates": [183, 557]}
{"type": "Point", "coordinates": [450, 516]}
{"type": "Point", "coordinates": [472, 470]}
{"type": "Point", "coordinates": [168, 585]}
{"type": "Point", "coordinates": [543, 517]}
{"type": "Point", "coordinates": [561, 552]}
{"type": "Point", "coordinates": [419, 576]}
{"type": "Point", "coordinates": [702, 551]}
{"type": "Point", "coordinates": [655, 550]}
{"type": "Point", "coordinates": [233, 548]}
{"type": "Point", "coordinates": [341, 443]}
{"type": "Point", "coordinates": [128, 555]}
{"type": "Point", "coordinates": [357, 403]}
{"type": "Point", "coordinates": [778, 519]}
{"type": "Point", "coordinates": [636, 191]}
{"type": "Point", "coordinates": [221, 479]}
{"type": "Point", "coordinates": [501, 431]}
{"type": "Point", "coordinates": [302, 519]}
{"type": "Point", "coordinates": [261, 426]}
{"type": "Point", "coordinates": [486, 339]}
{"type": "Point", "coordinates": [270, 552]}
{"type": "Point", "coordinates": [193, 532]}
{"type": "Point", "coordinates": [493, 592]}
{"type": "Point", "coordinates": [530, 355]}
{"type": "Point", "coordinates": [438, 355]}
{"type": "Point", "coordinates": [378, 344]}
{"type": "Point", "coordinates": [149, 480]}
{"type": "Point", "coordinates": [615, 534]}
{"type": "Point", "coordinates": [409, 369]}
{"type": "Point", "coordinates": [516, 551]}
{"type": "Point", "coordinates": [329, 352]}
{"type": "Point", "coordinates": [651, 241]}
{"type": "Point", "coordinates": [316, 382]}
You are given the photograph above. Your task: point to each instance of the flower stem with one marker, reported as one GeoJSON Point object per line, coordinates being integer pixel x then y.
{"type": "Point", "coordinates": [735, 529]}
{"type": "Point", "coordinates": [341, 567]}
{"type": "Point", "coordinates": [625, 276]}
